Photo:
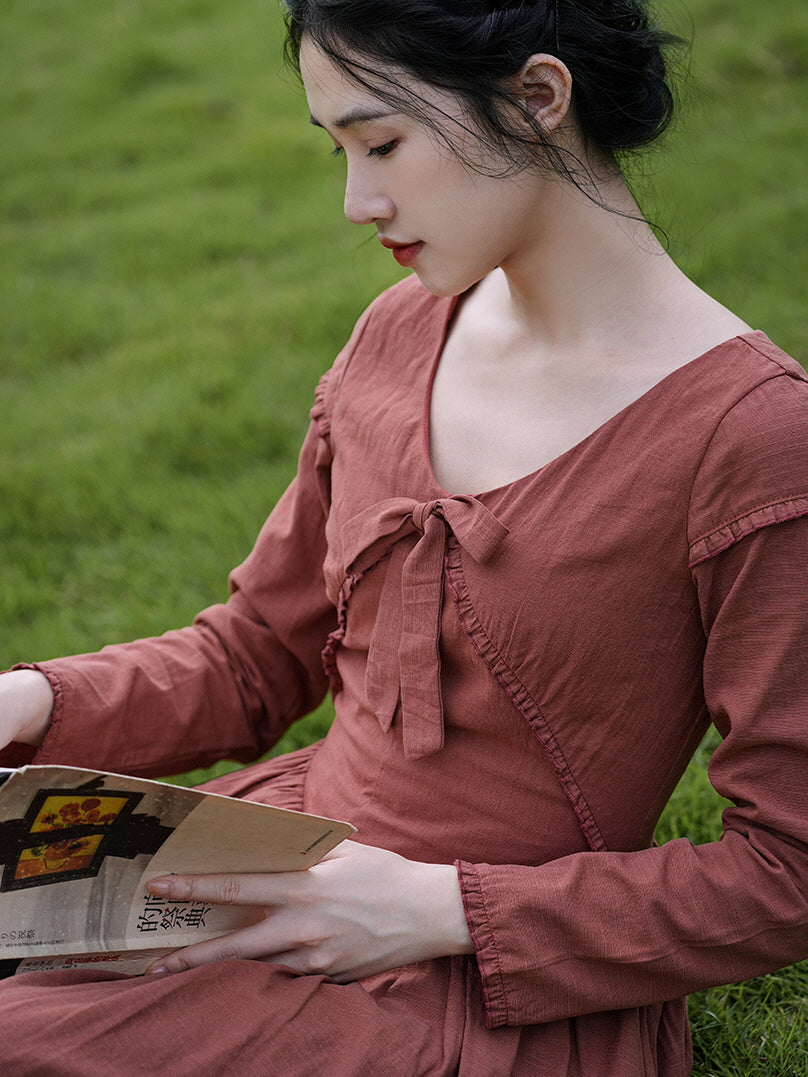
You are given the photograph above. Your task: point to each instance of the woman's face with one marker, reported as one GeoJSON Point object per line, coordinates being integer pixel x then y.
{"type": "Point", "coordinates": [448, 222]}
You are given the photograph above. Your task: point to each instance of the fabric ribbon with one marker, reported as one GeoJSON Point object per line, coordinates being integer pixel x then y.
{"type": "Point", "coordinates": [404, 656]}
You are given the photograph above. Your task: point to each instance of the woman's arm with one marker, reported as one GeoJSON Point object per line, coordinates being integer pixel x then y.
{"type": "Point", "coordinates": [227, 686]}
{"type": "Point", "coordinates": [26, 702]}
{"type": "Point", "coordinates": [608, 930]}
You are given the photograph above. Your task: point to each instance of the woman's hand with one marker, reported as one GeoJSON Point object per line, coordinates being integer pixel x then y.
{"type": "Point", "coordinates": [26, 702]}
{"type": "Point", "coordinates": [359, 911]}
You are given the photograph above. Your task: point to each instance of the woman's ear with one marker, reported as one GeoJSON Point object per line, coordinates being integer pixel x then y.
{"type": "Point", "coordinates": [544, 86]}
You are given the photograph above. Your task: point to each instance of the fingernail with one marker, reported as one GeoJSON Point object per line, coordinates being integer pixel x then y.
{"type": "Point", "coordinates": [159, 886]}
{"type": "Point", "coordinates": [160, 970]}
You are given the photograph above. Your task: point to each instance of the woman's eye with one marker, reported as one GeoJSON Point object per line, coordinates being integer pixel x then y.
{"type": "Point", "coordinates": [382, 151]}
{"type": "Point", "coordinates": [374, 151]}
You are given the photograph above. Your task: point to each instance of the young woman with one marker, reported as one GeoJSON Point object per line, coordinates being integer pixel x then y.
{"type": "Point", "coordinates": [549, 522]}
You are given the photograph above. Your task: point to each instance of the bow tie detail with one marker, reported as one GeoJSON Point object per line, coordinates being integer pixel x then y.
{"type": "Point", "coordinates": [404, 657]}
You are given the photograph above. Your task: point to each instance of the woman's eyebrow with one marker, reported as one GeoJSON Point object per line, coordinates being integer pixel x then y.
{"type": "Point", "coordinates": [358, 115]}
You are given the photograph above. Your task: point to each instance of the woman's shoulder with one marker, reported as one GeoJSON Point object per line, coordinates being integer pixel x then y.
{"type": "Point", "coordinates": [738, 387]}
{"type": "Point", "coordinates": [394, 342]}
{"type": "Point", "coordinates": [754, 470]}
{"type": "Point", "coordinates": [408, 303]}
{"type": "Point", "coordinates": [403, 328]}
{"type": "Point", "coordinates": [766, 394]}
{"type": "Point", "coordinates": [757, 348]}
{"type": "Point", "coordinates": [403, 320]}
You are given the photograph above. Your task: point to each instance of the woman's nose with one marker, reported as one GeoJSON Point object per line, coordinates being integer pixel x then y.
{"type": "Point", "coordinates": [364, 204]}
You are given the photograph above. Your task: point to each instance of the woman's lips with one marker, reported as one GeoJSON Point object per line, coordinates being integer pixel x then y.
{"type": "Point", "coordinates": [404, 253]}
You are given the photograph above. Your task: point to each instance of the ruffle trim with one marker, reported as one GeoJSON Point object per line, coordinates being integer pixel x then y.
{"type": "Point", "coordinates": [495, 995]}
{"type": "Point", "coordinates": [732, 531]}
{"type": "Point", "coordinates": [521, 699]}
{"type": "Point", "coordinates": [318, 413]}
{"type": "Point", "coordinates": [329, 653]}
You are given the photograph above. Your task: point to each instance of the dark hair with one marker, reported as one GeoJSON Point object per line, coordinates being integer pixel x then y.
{"type": "Point", "coordinates": [471, 48]}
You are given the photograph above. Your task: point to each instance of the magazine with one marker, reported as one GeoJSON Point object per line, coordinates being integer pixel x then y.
{"type": "Point", "coordinates": [77, 848]}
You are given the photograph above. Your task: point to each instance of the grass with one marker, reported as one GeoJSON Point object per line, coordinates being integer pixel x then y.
{"type": "Point", "coordinates": [176, 274]}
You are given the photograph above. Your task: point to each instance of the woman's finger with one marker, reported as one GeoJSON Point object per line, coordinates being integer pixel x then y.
{"type": "Point", "coordinates": [258, 889]}
{"type": "Point", "coordinates": [253, 943]}
{"type": "Point", "coordinates": [268, 889]}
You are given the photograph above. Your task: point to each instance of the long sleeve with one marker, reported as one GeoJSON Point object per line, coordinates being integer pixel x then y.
{"type": "Point", "coordinates": [229, 684]}
{"type": "Point", "coordinates": [605, 930]}
{"type": "Point", "coordinates": [609, 930]}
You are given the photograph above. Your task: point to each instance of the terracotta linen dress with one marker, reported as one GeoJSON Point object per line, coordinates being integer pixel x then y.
{"type": "Point", "coordinates": [520, 676]}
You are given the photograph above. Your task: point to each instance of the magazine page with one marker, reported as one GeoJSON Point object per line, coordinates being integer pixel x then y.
{"type": "Point", "coordinates": [78, 847]}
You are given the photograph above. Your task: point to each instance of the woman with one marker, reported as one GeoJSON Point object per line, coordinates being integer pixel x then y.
{"type": "Point", "coordinates": [549, 522]}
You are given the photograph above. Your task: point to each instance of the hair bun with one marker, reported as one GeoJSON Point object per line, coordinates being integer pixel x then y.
{"type": "Point", "coordinates": [621, 87]}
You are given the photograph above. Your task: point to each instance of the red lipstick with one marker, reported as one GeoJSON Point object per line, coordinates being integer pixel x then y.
{"type": "Point", "coordinates": [404, 253]}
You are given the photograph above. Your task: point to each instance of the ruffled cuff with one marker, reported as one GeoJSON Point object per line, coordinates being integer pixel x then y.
{"type": "Point", "coordinates": [495, 998]}
{"type": "Point", "coordinates": [20, 755]}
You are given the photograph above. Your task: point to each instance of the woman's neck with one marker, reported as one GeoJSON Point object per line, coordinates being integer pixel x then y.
{"type": "Point", "coordinates": [585, 263]}
{"type": "Point", "coordinates": [594, 278]}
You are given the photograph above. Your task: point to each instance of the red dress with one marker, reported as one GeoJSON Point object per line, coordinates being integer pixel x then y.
{"type": "Point", "coordinates": [520, 677]}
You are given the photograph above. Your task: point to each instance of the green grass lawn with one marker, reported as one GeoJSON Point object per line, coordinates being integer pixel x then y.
{"type": "Point", "coordinates": [176, 274]}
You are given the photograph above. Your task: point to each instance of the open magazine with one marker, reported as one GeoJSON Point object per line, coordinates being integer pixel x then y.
{"type": "Point", "coordinates": [77, 848]}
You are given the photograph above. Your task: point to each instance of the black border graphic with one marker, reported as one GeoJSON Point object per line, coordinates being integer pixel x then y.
{"type": "Point", "coordinates": [126, 836]}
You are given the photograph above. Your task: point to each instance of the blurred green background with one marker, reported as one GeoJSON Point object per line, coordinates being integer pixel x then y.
{"type": "Point", "coordinates": [176, 274]}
